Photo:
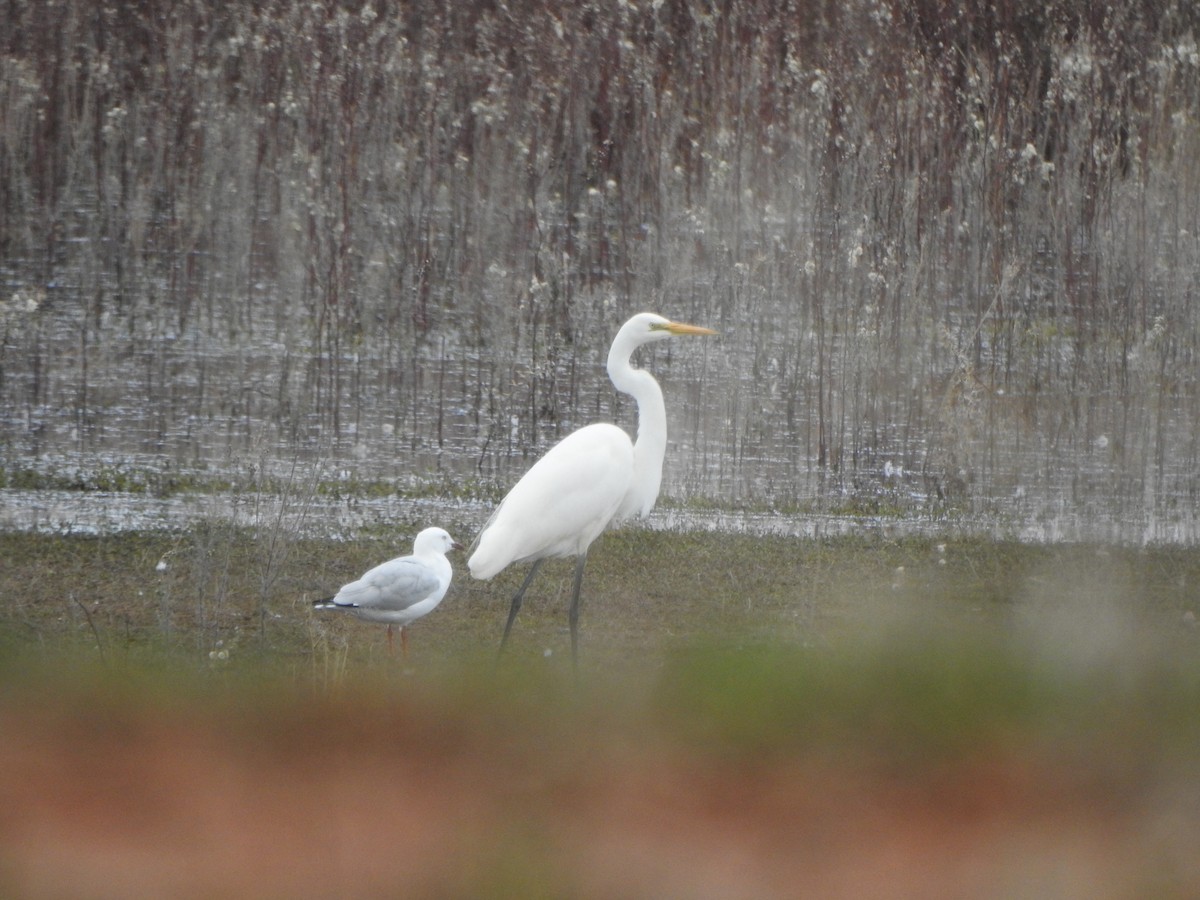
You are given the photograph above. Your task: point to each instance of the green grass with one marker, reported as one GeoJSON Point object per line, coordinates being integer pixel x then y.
{"type": "Point", "coordinates": [716, 672]}
{"type": "Point", "coordinates": [734, 640]}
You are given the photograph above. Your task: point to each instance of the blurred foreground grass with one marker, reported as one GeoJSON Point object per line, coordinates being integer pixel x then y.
{"type": "Point", "coordinates": [773, 688]}
{"type": "Point", "coordinates": [729, 640]}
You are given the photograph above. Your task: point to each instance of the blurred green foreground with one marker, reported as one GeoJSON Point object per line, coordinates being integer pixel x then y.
{"type": "Point", "coordinates": [752, 717]}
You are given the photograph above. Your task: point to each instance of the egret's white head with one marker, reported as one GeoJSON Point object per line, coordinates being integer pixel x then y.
{"type": "Point", "coordinates": [647, 327]}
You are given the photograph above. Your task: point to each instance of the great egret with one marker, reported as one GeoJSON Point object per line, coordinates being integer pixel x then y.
{"type": "Point", "coordinates": [401, 590]}
{"type": "Point", "coordinates": [592, 477]}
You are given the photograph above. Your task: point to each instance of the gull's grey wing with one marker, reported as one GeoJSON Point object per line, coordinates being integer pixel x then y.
{"type": "Point", "coordinates": [394, 585]}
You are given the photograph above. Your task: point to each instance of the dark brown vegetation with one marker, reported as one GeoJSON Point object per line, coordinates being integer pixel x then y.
{"type": "Point", "coordinates": [397, 237]}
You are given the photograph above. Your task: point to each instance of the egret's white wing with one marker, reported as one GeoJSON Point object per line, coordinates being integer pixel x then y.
{"type": "Point", "coordinates": [394, 585]}
{"type": "Point", "coordinates": [561, 504]}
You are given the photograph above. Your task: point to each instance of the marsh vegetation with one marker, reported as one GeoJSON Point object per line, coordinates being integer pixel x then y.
{"type": "Point", "coordinates": [281, 283]}
{"type": "Point", "coordinates": [953, 253]}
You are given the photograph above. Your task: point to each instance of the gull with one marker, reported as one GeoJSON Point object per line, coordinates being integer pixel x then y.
{"type": "Point", "coordinates": [401, 590]}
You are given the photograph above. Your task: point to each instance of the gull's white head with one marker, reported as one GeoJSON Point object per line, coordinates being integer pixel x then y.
{"type": "Point", "coordinates": [435, 540]}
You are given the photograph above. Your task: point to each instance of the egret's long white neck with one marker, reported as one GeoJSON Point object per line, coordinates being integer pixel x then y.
{"type": "Point", "coordinates": [651, 444]}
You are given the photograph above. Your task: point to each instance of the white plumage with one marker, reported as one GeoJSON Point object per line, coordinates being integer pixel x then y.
{"type": "Point", "coordinates": [401, 590]}
{"type": "Point", "coordinates": [591, 478]}
{"type": "Point", "coordinates": [562, 503]}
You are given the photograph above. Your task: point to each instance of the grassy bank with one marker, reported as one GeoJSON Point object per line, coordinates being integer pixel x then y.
{"type": "Point", "coordinates": [753, 714]}
{"type": "Point", "coordinates": [645, 593]}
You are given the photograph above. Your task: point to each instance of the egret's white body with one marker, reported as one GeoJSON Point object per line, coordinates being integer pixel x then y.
{"type": "Point", "coordinates": [401, 590]}
{"type": "Point", "coordinates": [561, 504]}
{"type": "Point", "coordinates": [591, 478]}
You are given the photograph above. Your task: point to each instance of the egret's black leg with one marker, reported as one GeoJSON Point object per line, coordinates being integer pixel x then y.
{"type": "Point", "coordinates": [573, 615]}
{"type": "Point", "coordinates": [516, 602]}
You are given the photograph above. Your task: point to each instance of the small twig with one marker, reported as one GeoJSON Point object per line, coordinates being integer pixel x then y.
{"type": "Point", "coordinates": [92, 625]}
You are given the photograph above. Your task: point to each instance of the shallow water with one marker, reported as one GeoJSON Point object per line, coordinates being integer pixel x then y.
{"type": "Point", "coordinates": [216, 268]}
{"type": "Point", "coordinates": [125, 415]}
{"type": "Point", "coordinates": [107, 512]}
